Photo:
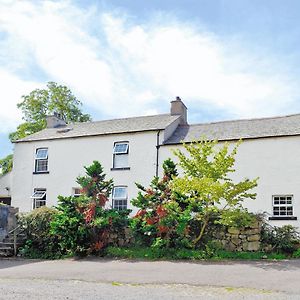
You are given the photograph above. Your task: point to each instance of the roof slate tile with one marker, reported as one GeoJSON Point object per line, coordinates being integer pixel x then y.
{"type": "Point", "coordinates": [238, 129]}
{"type": "Point", "coordinates": [126, 125]}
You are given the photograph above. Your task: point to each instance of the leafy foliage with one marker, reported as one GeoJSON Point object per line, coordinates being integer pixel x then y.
{"type": "Point", "coordinates": [208, 188]}
{"type": "Point", "coordinates": [69, 226]}
{"type": "Point", "coordinates": [161, 220]}
{"type": "Point", "coordinates": [284, 239]}
{"type": "Point", "coordinates": [40, 242]}
{"type": "Point", "coordinates": [187, 254]}
{"type": "Point", "coordinates": [42, 102]}
{"type": "Point", "coordinates": [94, 183]}
{"type": "Point", "coordinates": [83, 225]}
{"type": "Point", "coordinates": [6, 164]}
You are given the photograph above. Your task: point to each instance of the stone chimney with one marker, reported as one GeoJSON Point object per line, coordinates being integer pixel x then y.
{"type": "Point", "coordinates": [179, 109]}
{"type": "Point", "coordinates": [55, 121]}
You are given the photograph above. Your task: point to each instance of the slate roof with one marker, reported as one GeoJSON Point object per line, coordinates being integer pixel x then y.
{"type": "Point", "coordinates": [237, 129]}
{"type": "Point", "coordinates": [126, 125]}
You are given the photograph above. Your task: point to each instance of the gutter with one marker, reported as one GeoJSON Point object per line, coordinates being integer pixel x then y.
{"type": "Point", "coordinates": [157, 152]}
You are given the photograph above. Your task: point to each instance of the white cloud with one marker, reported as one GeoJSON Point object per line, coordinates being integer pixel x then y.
{"type": "Point", "coordinates": [121, 68]}
{"type": "Point", "coordinates": [12, 89]}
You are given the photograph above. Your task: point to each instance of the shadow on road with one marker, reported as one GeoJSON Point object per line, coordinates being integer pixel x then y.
{"type": "Point", "coordinates": [280, 265]}
{"type": "Point", "coordinates": [16, 262]}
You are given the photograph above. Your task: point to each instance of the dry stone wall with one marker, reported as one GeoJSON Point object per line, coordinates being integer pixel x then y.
{"type": "Point", "coordinates": [240, 239]}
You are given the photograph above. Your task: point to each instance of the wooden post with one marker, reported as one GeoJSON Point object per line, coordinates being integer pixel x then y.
{"type": "Point", "coordinates": [15, 242]}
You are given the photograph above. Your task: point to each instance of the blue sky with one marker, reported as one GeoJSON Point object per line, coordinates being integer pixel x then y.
{"type": "Point", "coordinates": [225, 58]}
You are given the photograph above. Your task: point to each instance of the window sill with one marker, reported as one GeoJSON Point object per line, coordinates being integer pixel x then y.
{"type": "Point", "coordinates": [45, 172]}
{"type": "Point", "coordinates": [120, 169]}
{"type": "Point", "coordinates": [291, 218]}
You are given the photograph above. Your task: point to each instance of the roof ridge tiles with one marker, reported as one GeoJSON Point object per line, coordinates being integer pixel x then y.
{"type": "Point", "coordinates": [247, 119]}
{"type": "Point", "coordinates": [123, 119]}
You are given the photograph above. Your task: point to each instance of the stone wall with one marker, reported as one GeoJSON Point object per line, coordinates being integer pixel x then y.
{"type": "Point", "coordinates": [240, 239]}
{"type": "Point", "coordinates": [8, 220]}
{"type": "Point", "coordinates": [122, 238]}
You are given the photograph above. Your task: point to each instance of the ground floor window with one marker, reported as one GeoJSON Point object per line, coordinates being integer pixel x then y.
{"type": "Point", "coordinates": [119, 197]}
{"type": "Point", "coordinates": [76, 192]}
{"type": "Point", "coordinates": [282, 205]}
{"type": "Point", "coordinates": [39, 197]}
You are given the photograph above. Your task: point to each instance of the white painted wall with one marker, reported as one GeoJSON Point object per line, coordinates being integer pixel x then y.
{"type": "Point", "coordinates": [5, 182]}
{"type": "Point", "coordinates": [275, 160]}
{"type": "Point", "coordinates": [277, 164]}
{"type": "Point", "coordinates": [67, 157]}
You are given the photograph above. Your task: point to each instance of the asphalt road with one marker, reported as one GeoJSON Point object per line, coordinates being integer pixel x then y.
{"type": "Point", "coordinates": [123, 279]}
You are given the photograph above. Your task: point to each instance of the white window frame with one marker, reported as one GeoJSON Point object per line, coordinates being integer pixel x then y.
{"type": "Point", "coordinates": [117, 153]}
{"type": "Point", "coordinates": [278, 202]}
{"type": "Point", "coordinates": [121, 199]}
{"type": "Point", "coordinates": [125, 151]}
{"type": "Point", "coordinates": [41, 159]}
{"type": "Point", "coordinates": [76, 192]}
{"type": "Point", "coordinates": [39, 197]}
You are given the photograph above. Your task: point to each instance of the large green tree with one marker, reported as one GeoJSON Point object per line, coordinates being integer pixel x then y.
{"type": "Point", "coordinates": [42, 102]}
{"type": "Point", "coordinates": [37, 105]}
{"type": "Point", "coordinates": [6, 164]}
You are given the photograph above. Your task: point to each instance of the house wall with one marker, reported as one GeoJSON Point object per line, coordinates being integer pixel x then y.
{"type": "Point", "coordinates": [275, 161]}
{"type": "Point", "coordinates": [67, 157]}
{"type": "Point", "coordinates": [5, 182]}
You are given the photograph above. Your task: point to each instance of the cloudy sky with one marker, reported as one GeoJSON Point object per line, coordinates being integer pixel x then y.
{"type": "Point", "coordinates": [225, 58]}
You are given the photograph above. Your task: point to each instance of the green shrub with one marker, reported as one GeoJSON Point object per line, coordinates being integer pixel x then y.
{"type": "Point", "coordinates": [186, 254]}
{"type": "Point", "coordinates": [40, 242]}
{"type": "Point", "coordinates": [69, 226]}
{"type": "Point", "coordinates": [82, 224]}
{"type": "Point", "coordinates": [282, 239]}
{"type": "Point", "coordinates": [296, 254]}
{"type": "Point", "coordinates": [162, 221]}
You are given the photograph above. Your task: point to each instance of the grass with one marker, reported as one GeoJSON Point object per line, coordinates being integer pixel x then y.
{"type": "Point", "coordinates": [186, 254]}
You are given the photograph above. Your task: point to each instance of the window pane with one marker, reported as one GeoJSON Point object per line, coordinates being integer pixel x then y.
{"type": "Point", "coordinates": [76, 192]}
{"type": "Point", "coordinates": [120, 204]}
{"type": "Point", "coordinates": [282, 211]}
{"type": "Point", "coordinates": [121, 148]}
{"type": "Point", "coordinates": [121, 161]}
{"type": "Point", "coordinates": [276, 202]}
{"type": "Point", "coordinates": [41, 165]}
{"type": "Point", "coordinates": [276, 198]}
{"type": "Point", "coordinates": [120, 193]}
{"type": "Point", "coordinates": [39, 203]}
{"type": "Point", "coordinates": [38, 195]}
{"type": "Point", "coordinates": [42, 153]}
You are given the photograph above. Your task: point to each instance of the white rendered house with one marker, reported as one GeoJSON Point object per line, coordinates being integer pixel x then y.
{"type": "Point", "coordinates": [131, 150]}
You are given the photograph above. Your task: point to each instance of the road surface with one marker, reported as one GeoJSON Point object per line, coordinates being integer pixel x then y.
{"type": "Point", "coordinates": [124, 279]}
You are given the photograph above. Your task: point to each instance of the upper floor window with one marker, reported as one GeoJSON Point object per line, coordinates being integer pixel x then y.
{"type": "Point", "coordinates": [119, 197]}
{"type": "Point", "coordinates": [120, 155]}
{"type": "Point", "coordinates": [283, 205]}
{"type": "Point", "coordinates": [41, 160]}
{"type": "Point", "coordinates": [39, 197]}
